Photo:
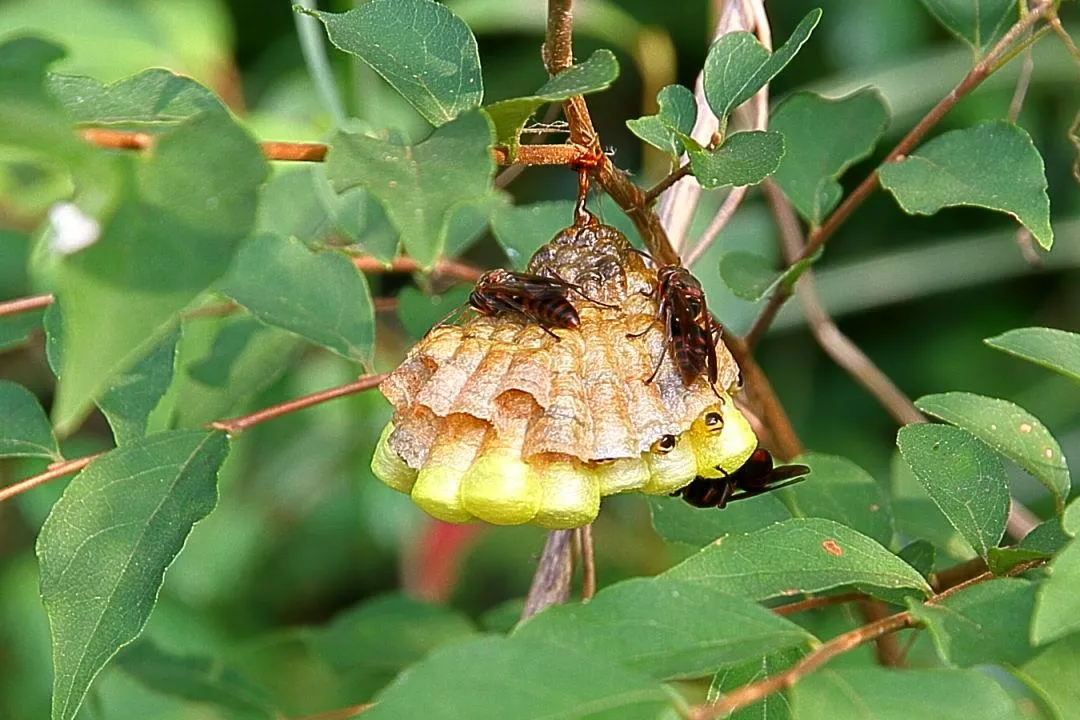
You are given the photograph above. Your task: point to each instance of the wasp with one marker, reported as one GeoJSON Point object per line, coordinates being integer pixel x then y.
{"type": "Point", "coordinates": [690, 329]}
{"type": "Point", "coordinates": [756, 476]}
{"type": "Point", "coordinates": [541, 299]}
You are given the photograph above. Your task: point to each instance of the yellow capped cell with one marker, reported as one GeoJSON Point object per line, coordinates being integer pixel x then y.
{"type": "Point", "coordinates": [672, 464]}
{"type": "Point", "coordinates": [571, 494]}
{"type": "Point", "coordinates": [498, 489]}
{"type": "Point", "coordinates": [437, 492]}
{"type": "Point", "coordinates": [722, 439]}
{"type": "Point", "coordinates": [388, 466]}
{"type": "Point", "coordinates": [616, 476]}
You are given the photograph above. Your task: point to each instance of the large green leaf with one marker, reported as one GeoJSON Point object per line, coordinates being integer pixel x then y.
{"type": "Point", "coordinates": [388, 634]}
{"type": "Point", "coordinates": [992, 165]}
{"type": "Point", "coordinates": [418, 312]}
{"type": "Point", "coordinates": [976, 22]}
{"type": "Point", "coordinates": [484, 678]}
{"type": "Point", "coordinates": [152, 99]}
{"type": "Point", "coordinates": [676, 115]}
{"type": "Point", "coordinates": [745, 158]}
{"type": "Point", "coordinates": [319, 296]}
{"type": "Point", "coordinates": [984, 624]}
{"type": "Point", "coordinates": [738, 65]}
{"type": "Point", "coordinates": [822, 139]}
{"type": "Point", "coordinates": [509, 116]}
{"type": "Point", "coordinates": [840, 490]}
{"type": "Point", "coordinates": [1055, 350]}
{"type": "Point", "coordinates": [666, 628]}
{"type": "Point", "coordinates": [881, 694]}
{"type": "Point", "coordinates": [1052, 675]}
{"type": "Point", "coordinates": [106, 545]}
{"type": "Point", "coordinates": [186, 208]}
{"type": "Point", "coordinates": [199, 679]}
{"type": "Point", "coordinates": [963, 477]}
{"type": "Point", "coordinates": [751, 277]}
{"type": "Point", "coordinates": [1057, 611]}
{"type": "Point", "coordinates": [1009, 429]}
{"type": "Point", "coordinates": [24, 429]}
{"type": "Point", "coordinates": [801, 555]}
{"type": "Point", "coordinates": [678, 521]}
{"type": "Point", "coordinates": [425, 51]}
{"type": "Point", "coordinates": [419, 186]}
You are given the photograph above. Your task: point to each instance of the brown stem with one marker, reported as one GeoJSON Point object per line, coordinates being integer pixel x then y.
{"type": "Point", "coordinates": [672, 177]}
{"type": "Point", "coordinates": [749, 694]}
{"type": "Point", "coordinates": [972, 80]}
{"type": "Point", "coordinates": [26, 304]}
{"type": "Point", "coordinates": [551, 581]}
{"type": "Point", "coordinates": [588, 563]}
{"type": "Point", "coordinates": [55, 471]}
{"type": "Point", "coordinates": [564, 154]}
{"type": "Point", "coordinates": [818, 602]}
{"type": "Point", "coordinates": [722, 217]}
{"type": "Point", "coordinates": [449, 268]}
{"type": "Point", "coordinates": [237, 425]}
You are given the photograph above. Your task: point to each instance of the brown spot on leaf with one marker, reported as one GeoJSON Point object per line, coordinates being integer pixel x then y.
{"type": "Point", "coordinates": [832, 547]}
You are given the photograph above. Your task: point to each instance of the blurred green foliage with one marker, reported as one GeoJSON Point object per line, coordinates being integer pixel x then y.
{"type": "Point", "coordinates": [302, 532]}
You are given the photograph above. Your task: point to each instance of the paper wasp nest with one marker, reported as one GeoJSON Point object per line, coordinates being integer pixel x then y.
{"type": "Point", "coordinates": [496, 420]}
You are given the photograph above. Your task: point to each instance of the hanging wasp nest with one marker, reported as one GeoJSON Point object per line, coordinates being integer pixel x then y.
{"type": "Point", "coordinates": [496, 420]}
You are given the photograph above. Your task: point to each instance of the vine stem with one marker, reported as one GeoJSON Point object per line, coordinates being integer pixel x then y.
{"type": "Point", "coordinates": [233, 426]}
{"type": "Point", "coordinates": [975, 77]}
{"type": "Point", "coordinates": [563, 154]}
{"type": "Point", "coordinates": [749, 694]}
{"type": "Point", "coordinates": [26, 304]}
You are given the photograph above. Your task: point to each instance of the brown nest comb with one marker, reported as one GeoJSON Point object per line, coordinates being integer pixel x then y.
{"type": "Point", "coordinates": [498, 420]}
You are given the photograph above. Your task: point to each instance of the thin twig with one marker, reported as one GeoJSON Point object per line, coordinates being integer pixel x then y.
{"type": "Point", "coordinates": [449, 268]}
{"type": "Point", "coordinates": [551, 581]}
{"type": "Point", "coordinates": [972, 80]}
{"type": "Point", "coordinates": [588, 562]}
{"type": "Point", "coordinates": [749, 694]}
{"type": "Point", "coordinates": [670, 179]}
{"type": "Point", "coordinates": [26, 304]}
{"type": "Point", "coordinates": [237, 425]}
{"type": "Point", "coordinates": [312, 45]}
{"type": "Point", "coordinates": [818, 602]}
{"type": "Point", "coordinates": [55, 471]}
{"type": "Point", "coordinates": [720, 219]}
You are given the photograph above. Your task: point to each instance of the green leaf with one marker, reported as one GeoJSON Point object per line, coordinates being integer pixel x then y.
{"type": "Point", "coordinates": [976, 22]}
{"type": "Point", "coordinates": [1070, 521]}
{"type": "Point", "coordinates": [425, 51]}
{"type": "Point", "coordinates": [984, 624]}
{"type": "Point", "coordinates": [1009, 429]}
{"type": "Point", "coordinates": [522, 229]}
{"type": "Point", "coordinates": [152, 99]}
{"type": "Point", "coordinates": [483, 679]}
{"type": "Point", "coordinates": [387, 634]}
{"type": "Point", "coordinates": [1057, 609]}
{"type": "Point", "coordinates": [659, 626]}
{"type": "Point", "coordinates": [801, 555]}
{"type": "Point", "coordinates": [752, 277]}
{"type": "Point", "coordinates": [1001, 560]}
{"type": "Point", "coordinates": [676, 116]}
{"type": "Point", "coordinates": [678, 521]}
{"type": "Point", "coordinates": [24, 429]}
{"type": "Point", "coordinates": [920, 555]}
{"type": "Point", "coordinates": [509, 116]}
{"type": "Point", "coordinates": [993, 165]}
{"type": "Point", "coordinates": [199, 679]}
{"type": "Point", "coordinates": [129, 400]}
{"type": "Point", "coordinates": [419, 186]}
{"type": "Point", "coordinates": [1047, 538]}
{"type": "Point", "coordinates": [186, 209]}
{"type": "Point", "coordinates": [963, 477]}
{"type": "Point", "coordinates": [319, 296]}
{"type": "Point", "coordinates": [106, 545]}
{"type": "Point", "coordinates": [418, 312]}
{"type": "Point", "coordinates": [840, 490]}
{"type": "Point", "coordinates": [1055, 350]}
{"type": "Point", "coordinates": [745, 158]}
{"type": "Point", "coordinates": [885, 694]}
{"type": "Point", "coordinates": [1052, 675]}
{"type": "Point", "coordinates": [822, 139]}
{"type": "Point", "coordinates": [223, 364]}
{"type": "Point", "coordinates": [773, 707]}
{"type": "Point", "coordinates": [738, 65]}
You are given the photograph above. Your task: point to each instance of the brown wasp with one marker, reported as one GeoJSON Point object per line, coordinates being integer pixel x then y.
{"type": "Point", "coordinates": [535, 297]}
{"type": "Point", "coordinates": [691, 330]}
{"type": "Point", "coordinates": [756, 476]}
